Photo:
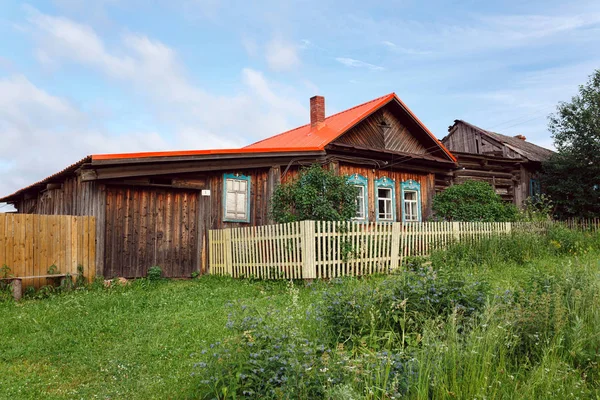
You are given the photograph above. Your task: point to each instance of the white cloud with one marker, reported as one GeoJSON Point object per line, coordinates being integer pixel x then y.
{"type": "Point", "coordinates": [351, 62]}
{"type": "Point", "coordinates": [155, 70]}
{"type": "Point", "coordinates": [281, 55]}
{"type": "Point", "coordinates": [41, 133]}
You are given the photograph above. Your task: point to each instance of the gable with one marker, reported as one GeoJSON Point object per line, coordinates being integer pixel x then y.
{"type": "Point", "coordinates": [467, 138]}
{"type": "Point", "coordinates": [388, 129]}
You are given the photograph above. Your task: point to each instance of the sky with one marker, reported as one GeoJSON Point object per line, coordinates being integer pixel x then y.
{"type": "Point", "coordinates": [80, 77]}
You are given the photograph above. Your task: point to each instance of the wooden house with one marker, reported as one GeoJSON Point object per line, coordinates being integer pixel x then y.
{"type": "Point", "coordinates": [509, 163]}
{"type": "Point", "coordinates": [155, 208]}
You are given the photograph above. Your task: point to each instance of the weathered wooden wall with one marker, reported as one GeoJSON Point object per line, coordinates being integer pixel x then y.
{"type": "Point", "coordinates": [504, 174]}
{"type": "Point", "coordinates": [466, 139]}
{"type": "Point", "coordinates": [148, 227]}
{"type": "Point", "coordinates": [260, 192]}
{"type": "Point", "coordinates": [72, 197]}
{"type": "Point", "coordinates": [394, 136]}
{"type": "Point", "coordinates": [427, 182]}
{"type": "Point", "coordinates": [30, 244]}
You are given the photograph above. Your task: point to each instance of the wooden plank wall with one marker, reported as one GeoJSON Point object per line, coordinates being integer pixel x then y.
{"type": "Point", "coordinates": [73, 197]}
{"type": "Point", "coordinates": [427, 182]}
{"type": "Point", "coordinates": [30, 244]}
{"type": "Point", "coordinates": [148, 227]}
{"type": "Point", "coordinates": [260, 194]}
{"type": "Point", "coordinates": [395, 136]}
{"type": "Point", "coordinates": [464, 138]}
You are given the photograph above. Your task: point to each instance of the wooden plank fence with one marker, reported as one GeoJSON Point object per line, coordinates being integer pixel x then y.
{"type": "Point", "coordinates": [31, 244]}
{"type": "Point", "coordinates": [320, 249]}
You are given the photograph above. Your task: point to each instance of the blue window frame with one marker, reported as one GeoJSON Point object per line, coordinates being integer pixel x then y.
{"type": "Point", "coordinates": [535, 189]}
{"type": "Point", "coordinates": [362, 197]}
{"type": "Point", "coordinates": [385, 199]}
{"type": "Point", "coordinates": [236, 198]}
{"type": "Point", "coordinates": [411, 201]}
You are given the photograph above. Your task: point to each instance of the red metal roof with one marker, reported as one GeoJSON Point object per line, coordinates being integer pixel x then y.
{"type": "Point", "coordinates": [335, 126]}
{"type": "Point", "coordinates": [302, 139]}
{"type": "Point", "coordinates": [243, 150]}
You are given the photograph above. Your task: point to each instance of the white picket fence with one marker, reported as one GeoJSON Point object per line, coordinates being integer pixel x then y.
{"type": "Point", "coordinates": [321, 249]}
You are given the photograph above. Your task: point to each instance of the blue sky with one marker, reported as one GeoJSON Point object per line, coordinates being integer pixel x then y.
{"type": "Point", "coordinates": [80, 77]}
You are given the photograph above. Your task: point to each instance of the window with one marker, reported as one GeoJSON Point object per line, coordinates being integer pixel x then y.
{"type": "Point", "coordinates": [360, 182]}
{"type": "Point", "coordinates": [386, 199]}
{"type": "Point", "coordinates": [236, 198]}
{"type": "Point", "coordinates": [535, 190]}
{"type": "Point", "coordinates": [411, 212]}
{"type": "Point", "coordinates": [411, 201]}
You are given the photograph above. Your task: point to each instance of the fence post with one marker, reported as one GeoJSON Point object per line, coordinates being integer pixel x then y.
{"type": "Point", "coordinates": [307, 234]}
{"type": "Point", "coordinates": [228, 249]}
{"type": "Point", "coordinates": [508, 228]}
{"type": "Point", "coordinates": [395, 247]}
{"type": "Point", "coordinates": [456, 231]}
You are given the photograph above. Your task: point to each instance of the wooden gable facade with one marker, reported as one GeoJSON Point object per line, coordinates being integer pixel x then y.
{"type": "Point", "coordinates": [156, 208]}
{"type": "Point", "coordinates": [509, 163]}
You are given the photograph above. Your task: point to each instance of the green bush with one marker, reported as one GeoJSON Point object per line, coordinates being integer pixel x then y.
{"type": "Point", "coordinates": [473, 201]}
{"type": "Point", "coordinates": [154, 273]}
{"type": "Point", "coordinates": [399, 304]}
{"type": "Point", "coordinates": [316, 194]}
{"type": "Point", "coordinates": [267, 357]}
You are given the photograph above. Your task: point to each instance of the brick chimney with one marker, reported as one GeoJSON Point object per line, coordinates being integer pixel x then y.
{"type": "Point", "coordinates": [521, 137]}
{"type": "Point", "coordinates": [317, 111]}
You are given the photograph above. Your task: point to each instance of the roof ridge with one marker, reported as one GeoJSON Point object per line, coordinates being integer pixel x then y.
{"type": "Point", "coordinates": [499, 134]}
{"type": "Point", "coordinates": [326, 118]}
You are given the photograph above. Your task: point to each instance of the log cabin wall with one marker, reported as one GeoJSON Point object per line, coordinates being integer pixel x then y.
{"type": "Point", "coordinates": [504, 174]}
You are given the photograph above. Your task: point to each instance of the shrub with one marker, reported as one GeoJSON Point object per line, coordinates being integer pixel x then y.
{"type": "Point", "coordinates": [267, 357]}
{"type": "Point", "coordinates": [154, 273]}
{"type": "Point", "coordinates": [317, 194]}
{"type": "Point", "coordinates": [473, 201]}
{"type": "Point", "coordinates": [537, 209]}
{"type": "Point", "coordinates": [400, 304]}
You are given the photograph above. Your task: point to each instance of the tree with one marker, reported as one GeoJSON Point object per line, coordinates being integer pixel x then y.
{"type": "Point", "coordinates": [316, 194]}
{"type": "Point", "coordinates": [473, 201]}
{"type": "Point", "coordinates": [571, 177]}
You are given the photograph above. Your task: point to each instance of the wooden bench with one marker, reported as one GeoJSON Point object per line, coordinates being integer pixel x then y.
{"type": "Point", "coordinates": [17, 282]}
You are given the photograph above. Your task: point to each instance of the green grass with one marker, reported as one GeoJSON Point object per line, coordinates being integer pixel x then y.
{"type": "Point", "coordinates": [142, 341]}
{"type": "Point", "coordinates": [132, 343]}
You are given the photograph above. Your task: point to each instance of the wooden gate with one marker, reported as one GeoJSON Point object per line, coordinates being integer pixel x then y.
{"type": "Point", "coordinates": [147, 227]}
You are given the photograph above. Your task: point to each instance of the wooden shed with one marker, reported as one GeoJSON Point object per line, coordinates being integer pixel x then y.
{"type": "Point", "coordinates": [509, 163]}
{"type": "Point", "coordinates": [155, 208]}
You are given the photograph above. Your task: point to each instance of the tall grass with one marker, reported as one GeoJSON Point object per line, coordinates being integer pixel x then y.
{"type": "Point", "coordinates": [513, 317]}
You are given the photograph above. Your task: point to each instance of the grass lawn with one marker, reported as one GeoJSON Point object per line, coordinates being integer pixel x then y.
{"type": "Point", "coordinates": [132, 343]}
{"type": "Point", "coordinates": [142, 341]}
